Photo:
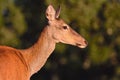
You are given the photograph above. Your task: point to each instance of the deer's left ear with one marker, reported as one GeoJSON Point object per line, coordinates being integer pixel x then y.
{"type": "Point", "coordinates": [58, 12]}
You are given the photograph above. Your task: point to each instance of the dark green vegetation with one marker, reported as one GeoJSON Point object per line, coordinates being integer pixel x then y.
{"type": "Point", "coordinates": [21, 22]}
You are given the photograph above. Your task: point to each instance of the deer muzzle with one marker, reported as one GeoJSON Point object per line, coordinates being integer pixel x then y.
{"type": "Point", "coordinates": [82, 44]}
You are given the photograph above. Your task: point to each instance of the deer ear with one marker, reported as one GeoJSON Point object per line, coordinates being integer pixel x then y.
{"type": "Point", "coordinates": [58, 12]}
{"type": "Point", "coordinates": [50, 13]}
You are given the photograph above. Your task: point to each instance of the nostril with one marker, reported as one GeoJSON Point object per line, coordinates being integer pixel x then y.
{"type": "Point", "coordinates": [86, 42]}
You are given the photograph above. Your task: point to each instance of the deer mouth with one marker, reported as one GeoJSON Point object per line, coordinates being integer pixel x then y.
{"type": "Point", "coordinates": [81, 45]}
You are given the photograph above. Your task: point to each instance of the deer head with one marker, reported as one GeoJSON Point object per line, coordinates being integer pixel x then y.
{"type": "Point", "coordinates": [61, 32]}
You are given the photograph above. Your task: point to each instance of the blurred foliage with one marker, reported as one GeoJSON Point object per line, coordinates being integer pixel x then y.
{"type": "Point", "coordinates": [12, 23]}
{"type": "Point", "coordinates": [98, 21]}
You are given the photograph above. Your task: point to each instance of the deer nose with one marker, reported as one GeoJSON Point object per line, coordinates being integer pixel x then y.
{"type": "Point", "coordinates": [86, 43]}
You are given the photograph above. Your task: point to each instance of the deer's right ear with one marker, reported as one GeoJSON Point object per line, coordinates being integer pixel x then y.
{"type": "Point", "coordinates": [50, 13]}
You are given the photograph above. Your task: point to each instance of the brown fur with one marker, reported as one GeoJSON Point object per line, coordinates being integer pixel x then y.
{"type": "Point", "coordinates": [12, 64]}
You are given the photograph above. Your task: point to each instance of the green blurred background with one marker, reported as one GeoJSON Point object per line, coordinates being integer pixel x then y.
{"type": "Point", "coordinates": [21, 22]}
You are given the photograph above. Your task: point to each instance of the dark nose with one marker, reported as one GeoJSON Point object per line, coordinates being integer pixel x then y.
{"type": "Point", "coordinates": [86, 42]}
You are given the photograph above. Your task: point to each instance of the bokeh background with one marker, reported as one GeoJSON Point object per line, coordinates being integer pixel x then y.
{"type": "Point", "coordinates": [21, 22]}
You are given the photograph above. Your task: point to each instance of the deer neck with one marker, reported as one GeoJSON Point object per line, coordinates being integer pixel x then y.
{"type": "Point", "coordinates": [37, 55]}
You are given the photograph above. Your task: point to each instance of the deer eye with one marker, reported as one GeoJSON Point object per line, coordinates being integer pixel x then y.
{"type": "Point", "coordinates": [65, 27]}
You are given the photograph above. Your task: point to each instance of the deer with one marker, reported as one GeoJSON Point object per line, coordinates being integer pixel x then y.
{"type": "Point", "coordinates": [21, 64]}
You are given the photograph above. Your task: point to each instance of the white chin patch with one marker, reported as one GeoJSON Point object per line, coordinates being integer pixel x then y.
{"type": "Point", "coordinates": [82, 46]}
